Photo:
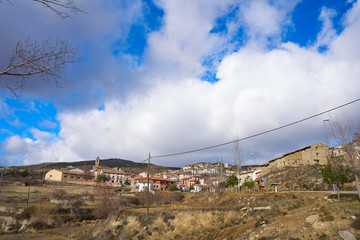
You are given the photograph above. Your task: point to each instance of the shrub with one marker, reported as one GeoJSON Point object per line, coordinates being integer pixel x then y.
{"type": "Point", "coordinates": [325, 216]}
{"type": "Point", "coordinates": [40, 218]}
{"type": "Point", "coordinates": [160, 198]}
{"type": "Point", "coordinates": [26, 214]}
{"type": "Point", "coordinates": [356, 222]}
{"type": "Point", "coordinates": [295, 205]}
{"type": "Point", "coordinates": [323, 236]}
{"type": "Point", "coordinates": [102, 178]}
{"type": "Point", "coordinates": [173, 187]}
{"type": "Point", "coordinates": [105, 201]}
{"type": "Point", "coordinates": [25, 173]}
{"type": "Point", "coordinates": [60, 194]}
{"type": "Point", "coordinates": [249, 184]}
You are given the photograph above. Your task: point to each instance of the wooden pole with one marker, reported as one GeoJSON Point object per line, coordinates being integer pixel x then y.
{"type": "Point", "coordinates": [28, 196]}
{"type": "Point", "coordinates": [148, 189]}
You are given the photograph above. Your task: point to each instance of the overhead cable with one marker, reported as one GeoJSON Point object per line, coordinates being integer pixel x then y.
{"type": "Point", "coordinates": [254, 135]}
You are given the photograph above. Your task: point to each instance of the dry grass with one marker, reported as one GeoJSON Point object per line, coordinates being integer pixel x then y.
{"type": "Point", "coordinates": [209, 216]}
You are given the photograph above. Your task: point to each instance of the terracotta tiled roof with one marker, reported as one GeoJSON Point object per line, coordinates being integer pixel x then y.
{"type": "Point", "coordinates": [155, 178]}
{"type": "Point", "coordinates": [75, 173]}
{"type": "Point", "coordinates": [110, 170]}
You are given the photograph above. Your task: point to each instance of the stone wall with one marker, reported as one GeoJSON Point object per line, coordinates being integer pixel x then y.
{"type": "Point", "coordinates": [315, 154]}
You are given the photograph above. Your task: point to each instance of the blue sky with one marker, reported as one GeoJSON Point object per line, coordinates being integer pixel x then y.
{"type": "Point", "coordinates": [170, 76]}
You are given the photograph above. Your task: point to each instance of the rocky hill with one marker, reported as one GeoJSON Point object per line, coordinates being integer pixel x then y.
{"type": "Point", "coordinates": [304, 178]}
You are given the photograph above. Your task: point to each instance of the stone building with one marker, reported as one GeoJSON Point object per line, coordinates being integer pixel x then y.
{"type": "Point", "coordinates": [315, 154]}
{"type": "Point", "coordinates": [114, 175]}
{"type": "Point", "coordinates": [60, 175]}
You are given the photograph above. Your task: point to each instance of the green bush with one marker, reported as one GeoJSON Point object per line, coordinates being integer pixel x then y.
{"type": "Point", "coordinates": [325, 216]}
{"type": "Point", "coordinates": [249, 184]}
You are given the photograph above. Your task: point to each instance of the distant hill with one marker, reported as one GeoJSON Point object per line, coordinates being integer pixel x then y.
{"type": "Point", "coordinates": [125, 165]}
{"type": "Point", "coordinates": [248, 167]}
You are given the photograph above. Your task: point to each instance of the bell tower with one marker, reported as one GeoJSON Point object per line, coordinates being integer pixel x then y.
{"type": "Point", "coordinates": [97, 162]}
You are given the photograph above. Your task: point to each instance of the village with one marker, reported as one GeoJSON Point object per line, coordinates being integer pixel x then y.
{"type": "Point", "coordinates": [194, 177]}
{"type": "Point", "coordinates": [94, 201]}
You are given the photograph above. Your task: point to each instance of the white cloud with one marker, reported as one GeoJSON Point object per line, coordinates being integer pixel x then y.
{"type": "Point", "coordinates": [327, 33]}
{"type": "Point", "coordinates": [184, 38]}
{"type": "Point", "coordinates": [263, 19]}
{"type": "Point", "coordinates": [47, 148]}
{"type": "Point", "coordinates": [258, 90]}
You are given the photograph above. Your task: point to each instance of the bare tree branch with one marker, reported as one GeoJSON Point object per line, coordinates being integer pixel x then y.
{"type": "Point", "coordinates": [347, 135]}
{"type": "Point", "coordinates": [46, 60]}
{"type": "Point", "coordinates": [58, 6]}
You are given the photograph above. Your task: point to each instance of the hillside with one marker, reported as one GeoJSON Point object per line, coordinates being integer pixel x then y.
{"type": "Point", "coordinates": [126, 165]}
{"type": "Point", "coordinates": [231, 215]}
{"type": "Point", "coordinates": [304, 178]}
{"type": "Point", "coordinates": [265, 216]}
{"type": "Point", "coordinates": [36, 171]}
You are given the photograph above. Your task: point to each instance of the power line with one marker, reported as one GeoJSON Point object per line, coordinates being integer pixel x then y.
{"type": "Point", "coordinates": [254, 135]}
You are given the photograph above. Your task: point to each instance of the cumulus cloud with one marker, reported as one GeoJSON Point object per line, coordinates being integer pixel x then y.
{"type": "Point", "coordinates": [182, 41]}
{"type": "Point", "coordinates": [25, 151]}
{"type": "Point", "coordinates": [258, 89]}
{"type": "Point", "coordinates": [264, 20]}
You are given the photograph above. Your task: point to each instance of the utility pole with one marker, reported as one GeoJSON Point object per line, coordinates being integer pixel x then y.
{"type": "Point", "coordinates": [222, 170]}
{"type": "Point", "coordinates": [148, 189]}
{"type": "Point", "coordinates": [237, 153]}
{"type": "Point", "coordinates": [44, 173]}
{"type": "Point", "coordinates": [326, 135]}
{"type": "Point", "coordinates": [28, 196]}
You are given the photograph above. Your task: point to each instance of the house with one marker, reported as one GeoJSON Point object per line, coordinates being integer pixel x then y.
{"type": "Point", "coordinates": [155, 183]}
{"type": "Point", "coordinates": [344, 150]}
{"type": "Point", "coordinates": [60, 175]}
{"type": "Point", "coordinates": [143, 174]}
{"type": "Point", "coordinates": [183, 175]}
{"type": "Point", "coordinates": [249, 175]}
{"type": "Point", "coordinates": [199, 187]}
{"type": "Point", "coordinates": [114, 175]}
{"type": "Point", "coordinates": [193, 180]}
{"type": "Point", "coordinates": [182, 187]}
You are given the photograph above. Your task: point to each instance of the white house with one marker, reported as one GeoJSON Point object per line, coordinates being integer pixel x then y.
{"type": "Point", "coordinates": [142, 186]}
{"type": "Point", "coordinates": [198, 187]}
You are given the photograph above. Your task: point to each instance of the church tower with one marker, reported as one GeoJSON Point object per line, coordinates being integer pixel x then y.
{"type": "Point", "coordinates": [97, 162]}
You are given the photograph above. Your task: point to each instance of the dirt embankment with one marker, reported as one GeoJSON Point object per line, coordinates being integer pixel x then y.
{"type": "Point", "coordinates": [237, 216]}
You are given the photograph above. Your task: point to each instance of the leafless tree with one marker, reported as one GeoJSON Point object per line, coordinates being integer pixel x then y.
{"type": "Point", "coordinates": [45, 60]}
{"type": "Point", "coordinates": [347, 135]}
